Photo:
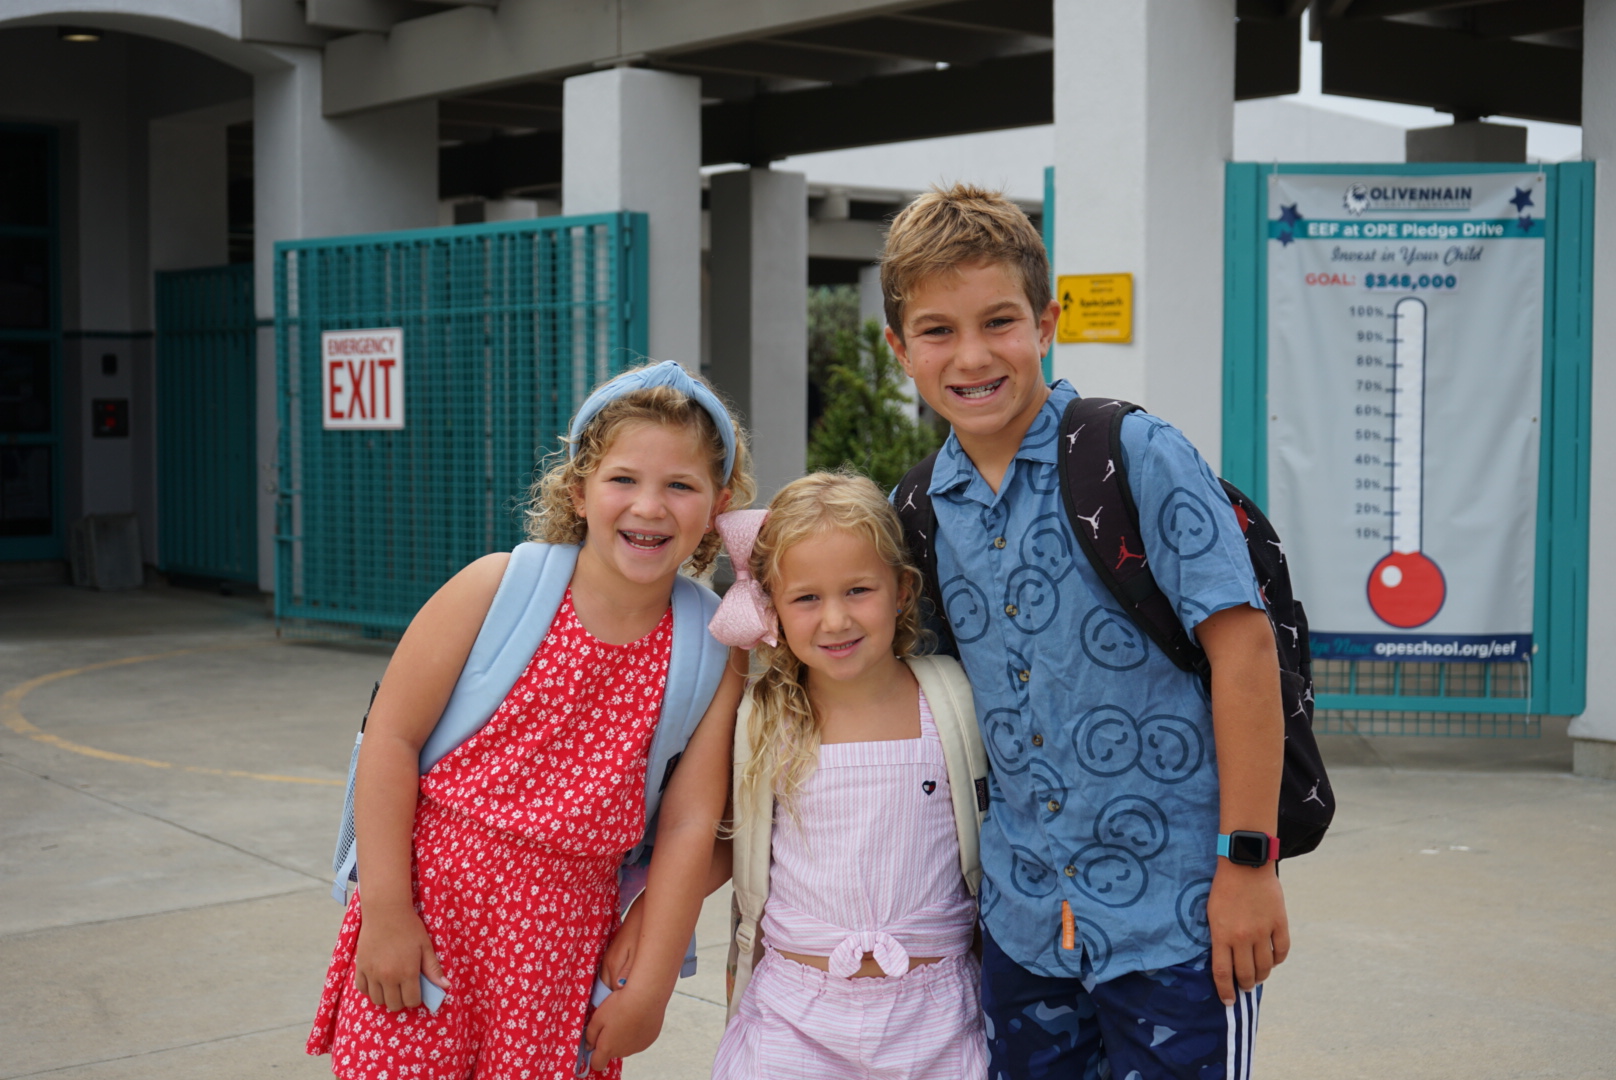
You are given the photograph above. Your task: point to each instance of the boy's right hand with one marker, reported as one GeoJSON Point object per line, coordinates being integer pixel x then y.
{"type": "Point", "coordinates": [394, 952]}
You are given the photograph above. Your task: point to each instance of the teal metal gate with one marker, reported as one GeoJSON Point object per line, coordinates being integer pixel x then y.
{"type": "Point", "coordinates": [506, 327]}
{"type": "Point", "coordinates": [207, 502]}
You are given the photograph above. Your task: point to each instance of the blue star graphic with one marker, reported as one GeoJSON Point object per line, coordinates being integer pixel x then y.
{"type": "Point", "coordinates": [1286, 238]}
{"type": "Point", "coordinates": [1289, 215]}
{"type": "Point", "coordinates": [1526, 223]}
{"type": "Point", "coordinates": [1522, 199]}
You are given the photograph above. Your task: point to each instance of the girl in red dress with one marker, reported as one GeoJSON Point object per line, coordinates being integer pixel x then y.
{"type": "Point", "coordinates": [495, 874]}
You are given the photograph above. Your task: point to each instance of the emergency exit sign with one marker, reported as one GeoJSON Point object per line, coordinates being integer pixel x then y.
{"type": "Point", "coordinates": [362, 378]}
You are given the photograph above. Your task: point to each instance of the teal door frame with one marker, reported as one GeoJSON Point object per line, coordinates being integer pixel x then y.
{"type": "Point", "coordinates": [207, 429]}
{"type": "Point", "coordinates": [1560, 618]}
{"type": "Point", "coordinates": [52, 544]}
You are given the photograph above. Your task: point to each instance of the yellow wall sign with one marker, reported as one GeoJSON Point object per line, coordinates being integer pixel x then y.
{"type": "Point", "coordinates": [1095, 308]}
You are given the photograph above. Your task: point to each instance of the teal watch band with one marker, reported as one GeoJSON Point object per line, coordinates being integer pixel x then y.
{"type": "Point", "coordinates": [1245, 848]}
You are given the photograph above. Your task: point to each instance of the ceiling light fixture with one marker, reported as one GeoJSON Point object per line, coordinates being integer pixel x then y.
{"type": "Point", "coordinates": [77, 33]}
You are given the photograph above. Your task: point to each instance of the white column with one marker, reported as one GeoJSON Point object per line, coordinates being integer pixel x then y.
{"type": "Point", "coordinates": [759, 330]}
{"type": "Point", "coordinates": [871, 304]}
{"type": "Point", "coordinates": [631, 140]}
{"type": "Point", "coordinates": [1595, 730]}
{"type": "Point", "coordinates": [315, 177]}
{"type": "Point", "coordinates": [189, 194]}
{"type": "Point", "coordinates": [1144, 122]}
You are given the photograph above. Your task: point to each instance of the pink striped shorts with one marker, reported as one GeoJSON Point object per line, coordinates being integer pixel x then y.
{"type": "Point", "coordinates": [799, 1023]}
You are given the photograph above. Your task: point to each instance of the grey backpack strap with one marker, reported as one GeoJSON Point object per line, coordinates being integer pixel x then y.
{"type": "Point", "coordinates": [953, 710]}
{"type": "Point", "coordinates": [754, 831]}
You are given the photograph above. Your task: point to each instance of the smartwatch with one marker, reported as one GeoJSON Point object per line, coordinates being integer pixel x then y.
{"type": "Point", "coordinates": [1244, 848]}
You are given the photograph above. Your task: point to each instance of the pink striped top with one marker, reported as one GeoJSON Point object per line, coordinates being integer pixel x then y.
{"type": "Point", "coordinates": [870, 863]}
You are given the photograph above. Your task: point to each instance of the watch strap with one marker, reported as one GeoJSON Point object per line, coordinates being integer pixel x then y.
{"type": "Point", "coordinates": [1273, 846]}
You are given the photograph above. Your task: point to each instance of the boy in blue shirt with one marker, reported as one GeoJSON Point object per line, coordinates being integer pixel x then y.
{"type": "Point", "coordinates": [1113, 928]}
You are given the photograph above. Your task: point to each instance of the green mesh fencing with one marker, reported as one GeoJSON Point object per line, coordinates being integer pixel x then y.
{"type": "Point", "coordinates": [207, 509]}
{"type": "Point", "coordinates": [506, 327]}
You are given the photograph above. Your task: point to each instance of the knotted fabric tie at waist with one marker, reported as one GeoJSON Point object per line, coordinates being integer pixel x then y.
{"type": "Point", "coordinates": [849, 955]}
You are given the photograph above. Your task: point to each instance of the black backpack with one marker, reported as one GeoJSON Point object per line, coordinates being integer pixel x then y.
{"type": "Point", "coordinates": [1102, 515]}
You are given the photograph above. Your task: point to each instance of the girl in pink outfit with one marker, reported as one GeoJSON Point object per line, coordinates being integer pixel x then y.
{"type": "Point", "coordinates": [855, 801]}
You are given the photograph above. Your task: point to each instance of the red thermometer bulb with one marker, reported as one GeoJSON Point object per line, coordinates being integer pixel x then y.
{"type": "Point", "coordinates": [1406, 588]}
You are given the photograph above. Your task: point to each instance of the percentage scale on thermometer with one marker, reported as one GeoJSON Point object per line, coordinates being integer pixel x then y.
{"type": "Point", "coordinates": [1406, 587]}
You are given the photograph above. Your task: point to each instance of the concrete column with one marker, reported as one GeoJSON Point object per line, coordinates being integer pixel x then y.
{"type": "Point", "coordinates": [871, 303]}
{"type": "Point", "coordinates": [189, 185]}
{"type": "Point", "coordinates": [1144, 122]}
{"type": "Point", "coordinates": [1595, 730]}
{"type": "Point", "coordinates": [759, 299]}
{"type": "Point", "coordinates": [631, 140]}
{"type": "Point", "coordinates": [1468, 140]}
{"type": "Point", "coordinates": [315, 177]}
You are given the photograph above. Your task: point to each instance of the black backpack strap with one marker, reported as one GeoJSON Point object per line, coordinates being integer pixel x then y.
{"type": "Point", "coordinates": [1101, 509]}
{"type": "Point", "coordinates": [913, 503]}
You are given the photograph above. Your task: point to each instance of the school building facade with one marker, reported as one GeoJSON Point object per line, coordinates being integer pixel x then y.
{"type": "Point", "coordinates": [155, 153]}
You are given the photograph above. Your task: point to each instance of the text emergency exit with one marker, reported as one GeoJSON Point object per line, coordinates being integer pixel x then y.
{"type": "Point", "coordinates": [362, 378]}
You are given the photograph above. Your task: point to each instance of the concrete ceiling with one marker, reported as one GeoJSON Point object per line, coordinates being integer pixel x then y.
{"type": "Point", "coordinates": [880, 73]}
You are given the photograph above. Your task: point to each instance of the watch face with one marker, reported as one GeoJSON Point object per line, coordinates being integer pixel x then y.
{"type": "Point", "coordinates": [1248, 848]}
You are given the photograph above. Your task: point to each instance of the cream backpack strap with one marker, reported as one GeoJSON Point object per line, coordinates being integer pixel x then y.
{"type": "Point", "coordinates": [953, 710]}
{"type": "Point", "coordinates": [754, 833]}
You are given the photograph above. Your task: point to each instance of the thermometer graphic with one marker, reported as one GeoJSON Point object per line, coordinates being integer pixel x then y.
{"type": "Point", "coordinates": [1406, 588]}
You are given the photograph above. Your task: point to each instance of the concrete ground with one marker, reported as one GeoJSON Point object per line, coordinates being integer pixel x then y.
{"type": "Point", "coordinates": [170, 778]}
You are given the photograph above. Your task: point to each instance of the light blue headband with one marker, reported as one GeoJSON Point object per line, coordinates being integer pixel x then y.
{"type": "Point", "coordinates": [667, 373]}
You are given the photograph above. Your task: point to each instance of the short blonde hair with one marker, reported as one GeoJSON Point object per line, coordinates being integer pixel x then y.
{"type": "Point", "coordinates": [784, 732]}
{"type": "Point", "coordinates": [552, 514]}
{"type": "Point", "coordinates": [942, 231]}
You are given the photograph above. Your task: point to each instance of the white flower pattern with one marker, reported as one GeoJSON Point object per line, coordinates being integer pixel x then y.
{"type": "Point", "coordinates": [518, 836]}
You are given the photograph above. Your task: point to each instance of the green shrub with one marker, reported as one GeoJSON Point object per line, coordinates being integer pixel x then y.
{"type": "Point", "coordinates": [867, 423]}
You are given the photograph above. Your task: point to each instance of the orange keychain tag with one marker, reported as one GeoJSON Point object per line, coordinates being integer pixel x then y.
{"type": "Point", "coordinates": [1068, 927]}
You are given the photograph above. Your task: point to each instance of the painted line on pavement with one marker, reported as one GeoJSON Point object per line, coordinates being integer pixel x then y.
{"type": "Point", "coordinates": [11, 716]}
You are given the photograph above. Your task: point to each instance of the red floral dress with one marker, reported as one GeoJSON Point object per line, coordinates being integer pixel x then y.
{"type": "Point", "coordinates": [518, 836]}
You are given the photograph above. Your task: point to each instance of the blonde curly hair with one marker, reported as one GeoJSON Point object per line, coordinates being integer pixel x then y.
{"type": "Point", "coordinates": [552, 513]}
{"type": "Point", "coordinates": [784, 733]}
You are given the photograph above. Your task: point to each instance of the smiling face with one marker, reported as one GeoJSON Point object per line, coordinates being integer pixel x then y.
{"type": "Point", "coordinates": [650, 500]}
{"type": "Point", "coordinates": [838, 602]}
{"type": "Point", "coordinates": [974, 346]}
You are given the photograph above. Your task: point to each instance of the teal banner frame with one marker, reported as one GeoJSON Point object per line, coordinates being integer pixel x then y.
{"type": "Point", "coordinates": [1560, 616]}
{"type": "Point", "coordinates": [1049, 253]}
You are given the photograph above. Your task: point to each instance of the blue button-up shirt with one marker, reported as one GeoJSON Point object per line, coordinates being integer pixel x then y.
{"type": "Point", "coordinates": [1104, 782]}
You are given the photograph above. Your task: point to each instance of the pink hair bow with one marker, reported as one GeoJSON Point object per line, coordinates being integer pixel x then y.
{"type": "Point", "coordinates": [745, 616]}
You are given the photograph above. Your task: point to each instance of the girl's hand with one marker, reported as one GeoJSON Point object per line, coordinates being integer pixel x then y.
{"type": "Point", "coordinates": [626, 1023]}
{"type": "Point", "coordinates": [394, 951]}
{"type": "Point", "coordinates": [618, 958]}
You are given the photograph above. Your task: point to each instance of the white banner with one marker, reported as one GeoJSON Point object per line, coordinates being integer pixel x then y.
{"type": "Point", "coordinates": [1405, 350]}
